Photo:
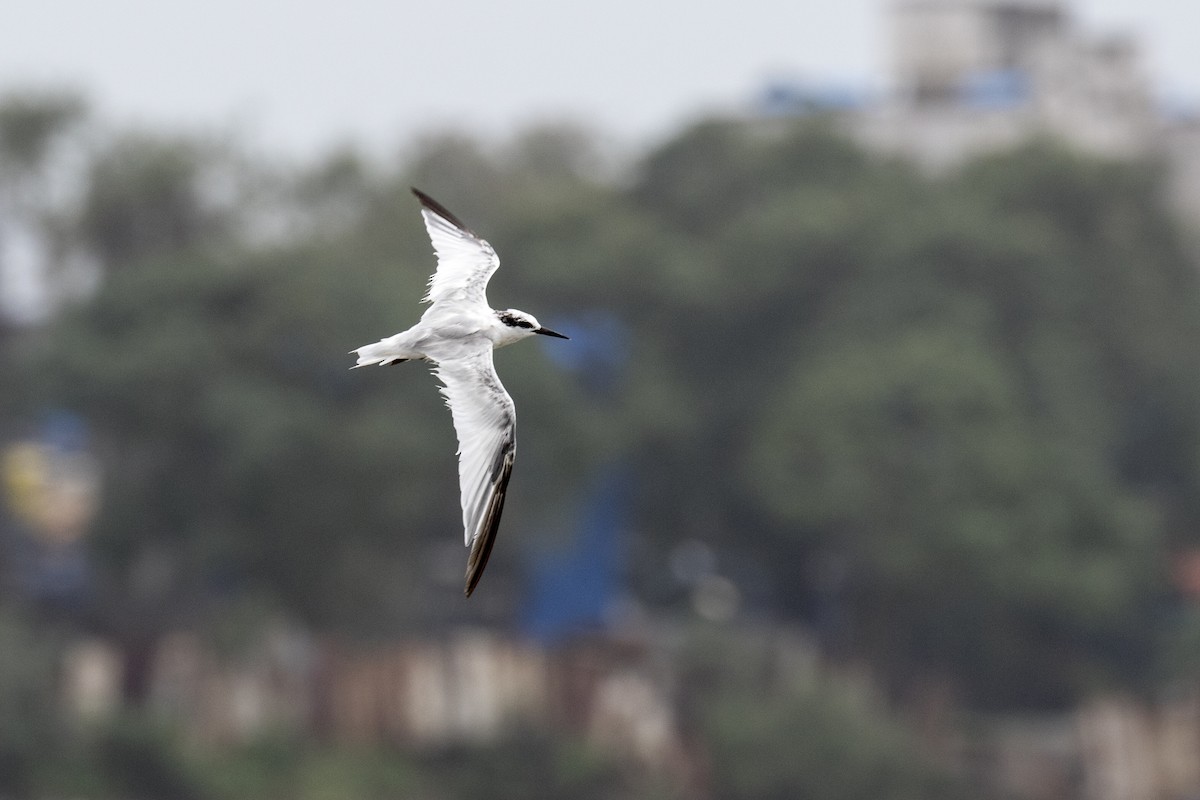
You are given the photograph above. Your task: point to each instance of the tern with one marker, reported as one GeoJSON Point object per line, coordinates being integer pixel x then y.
{"type": "Point", "coordinates": [457, 334]}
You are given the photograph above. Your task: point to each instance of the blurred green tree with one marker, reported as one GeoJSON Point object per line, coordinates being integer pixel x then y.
{"type": "Point", "coordinates": [773, 732]}
{"type": "Point", "coordinates": [992, 385]}
{"type": "Point", "coordinates": [30, 723]}
{"type": "Point", "coordinates": [976, 394]}
{"type": "Point", "coordinates": [150, 195]}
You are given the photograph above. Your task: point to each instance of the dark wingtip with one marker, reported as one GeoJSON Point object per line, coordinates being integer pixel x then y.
{"type": "Point", "coordinates": [482, 548]}
{"type": "Point", "coordinates": [483, 545]}
{"type": "Point", "coordinates": [439, 209]}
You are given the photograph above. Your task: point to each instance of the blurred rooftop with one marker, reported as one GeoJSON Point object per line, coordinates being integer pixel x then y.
{"type": "Point", "coordinates": [972, 76]}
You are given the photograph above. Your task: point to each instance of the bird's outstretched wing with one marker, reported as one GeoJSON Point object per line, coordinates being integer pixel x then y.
{"type": "Point", "coordinates": [465, 262]}
{"type": "Point", "coordinates": [485, 421]}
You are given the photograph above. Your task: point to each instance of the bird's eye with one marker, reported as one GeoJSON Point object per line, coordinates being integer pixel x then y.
{"type": "Point", "coordinates": [522, 323]}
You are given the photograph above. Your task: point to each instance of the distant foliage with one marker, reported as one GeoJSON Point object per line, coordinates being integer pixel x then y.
{"type": "Point", "coordinates": [951, 423]}
{"type": "Point", "coordinates": [774, 732]}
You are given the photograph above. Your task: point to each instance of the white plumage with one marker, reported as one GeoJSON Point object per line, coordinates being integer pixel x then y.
{"type": "Point", "coordinates": [457, 333]}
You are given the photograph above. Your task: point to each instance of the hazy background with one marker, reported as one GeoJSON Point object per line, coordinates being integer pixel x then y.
{"type": "Point", "coordinates": [871, 469]}
{"type": "Point", "coordinates": [299, 77]}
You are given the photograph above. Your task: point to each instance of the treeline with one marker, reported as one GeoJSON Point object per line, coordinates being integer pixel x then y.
{"type": "Point", "coordinates": [951, 423]}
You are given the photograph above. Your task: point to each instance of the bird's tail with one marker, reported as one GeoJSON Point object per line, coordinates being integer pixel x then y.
{"type": "Point", "coordinates": [383, 353]}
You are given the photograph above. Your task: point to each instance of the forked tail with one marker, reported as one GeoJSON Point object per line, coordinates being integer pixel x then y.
{"type": "Point", "coordinates": [382, 353]}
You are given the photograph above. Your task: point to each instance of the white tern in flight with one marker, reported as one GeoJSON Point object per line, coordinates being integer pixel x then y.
{"type": "Point", "coordinates": [457, 333]}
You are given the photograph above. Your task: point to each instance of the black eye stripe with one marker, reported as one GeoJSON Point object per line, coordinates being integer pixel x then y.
{"type": "Point", "coordinates": [514, 322]}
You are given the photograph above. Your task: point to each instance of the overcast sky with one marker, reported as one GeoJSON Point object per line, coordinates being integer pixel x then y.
{"type": "Point", "coordinates": [301, 76]}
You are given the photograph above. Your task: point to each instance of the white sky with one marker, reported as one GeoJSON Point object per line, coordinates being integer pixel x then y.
{"type": "Point", "coordinates": [299, 76]}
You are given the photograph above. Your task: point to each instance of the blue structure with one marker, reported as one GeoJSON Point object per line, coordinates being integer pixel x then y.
{"type": "Point", "coordinates": [792, 98]}
{"type": "Point", "coordinates": [64, 431]}
{"type": "Point", "coordinates": [42, 550]}
{"type": "Point", "coordinates": [598, 352]}
{"type": "Point", "coordinates": [572, 590]}
{"type": "Point", "coordinates": [997, 89]}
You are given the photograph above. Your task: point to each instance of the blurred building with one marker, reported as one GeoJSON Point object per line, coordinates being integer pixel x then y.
{"type": "Point", "coordinates": [972, 76]}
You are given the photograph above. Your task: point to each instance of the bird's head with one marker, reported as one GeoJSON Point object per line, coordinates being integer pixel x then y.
{"type": "Point", "coordinates": [520, 324]}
